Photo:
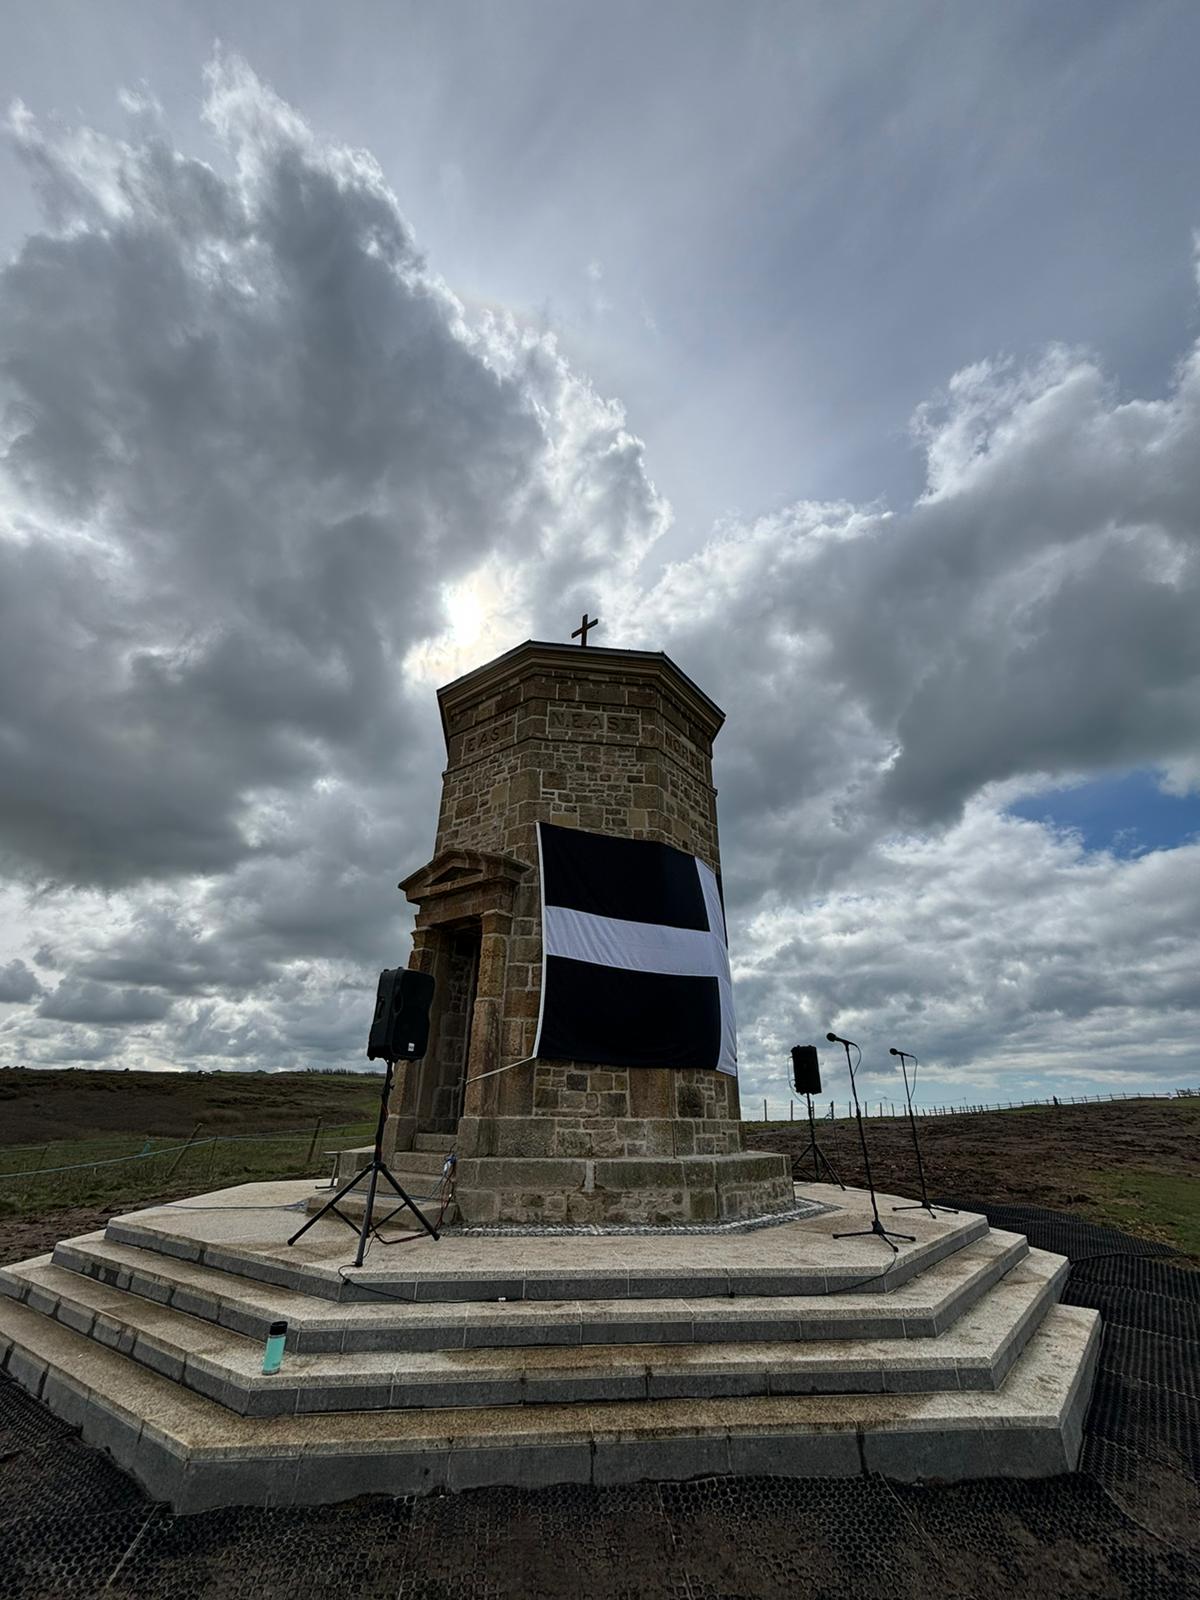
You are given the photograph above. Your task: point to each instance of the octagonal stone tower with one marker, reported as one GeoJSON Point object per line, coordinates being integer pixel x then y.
{"type": "Point", "coordinates": [617, 742]}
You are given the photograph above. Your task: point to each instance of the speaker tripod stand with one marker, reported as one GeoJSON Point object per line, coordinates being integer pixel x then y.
{"type": "Point", "coordinates": [877, 1227]}
{"type": "Point", "coordinates": [375, 1169]}
{"type": "Point", "coordinates": [820, 1161]}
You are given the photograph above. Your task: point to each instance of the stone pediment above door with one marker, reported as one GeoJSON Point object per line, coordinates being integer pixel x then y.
{"type": "Point", "coordinates": [463, 883]}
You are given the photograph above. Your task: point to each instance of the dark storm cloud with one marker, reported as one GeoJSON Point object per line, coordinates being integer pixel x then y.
{"type": "Point", "coordinates": [1033, 613]}
{"type": "Point", "coordinates": [250, 442]}
{"type": "Point", "coordinates": [83, 1001]}
{"type": "Point", "coordinates": [247, 441]}
{"type": "Point", "coordinates": [17, 983]}
{"type": "Point", "coordinates": [166, 949]}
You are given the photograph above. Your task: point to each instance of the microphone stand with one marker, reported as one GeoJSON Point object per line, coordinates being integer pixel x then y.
{"type": "Point", "coordinates": [924, 1203]}
{"type": "Point", "coordinates": [877, 1226]}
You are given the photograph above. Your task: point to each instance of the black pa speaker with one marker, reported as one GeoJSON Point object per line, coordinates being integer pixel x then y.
{"type": "Point", "coordinates": [806, 1074]}
{"type": "Point", "coordinates": [400, 1026]}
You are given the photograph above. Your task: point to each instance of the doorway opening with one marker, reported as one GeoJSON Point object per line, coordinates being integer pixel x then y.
{"type": "Point", "coordinates": [450, 1044]}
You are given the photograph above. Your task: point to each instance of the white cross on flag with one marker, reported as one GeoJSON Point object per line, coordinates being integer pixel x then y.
{"type": "Point", "coordinates": [635, 966]}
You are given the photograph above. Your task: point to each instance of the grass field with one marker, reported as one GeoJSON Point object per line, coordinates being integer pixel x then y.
{"type": "Point", "coordinates": [81, 1146]}
{"type": "Point", "coordinates": [36, 1106]}
{"type": "Point", "coordinates": [131, 1170]}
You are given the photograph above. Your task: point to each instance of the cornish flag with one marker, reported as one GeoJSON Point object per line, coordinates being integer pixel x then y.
{"type": "Point", "coordinates": [635, 967]}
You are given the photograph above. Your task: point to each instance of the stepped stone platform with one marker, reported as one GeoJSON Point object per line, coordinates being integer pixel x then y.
{"type": "Point", "coordinates": [535, 1360]}
{"type": "Point", "coordinates": [603, 1191]}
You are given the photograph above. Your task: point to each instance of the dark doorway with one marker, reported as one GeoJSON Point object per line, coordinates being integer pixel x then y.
{"type": "Point", "coordinates": [446, 1070]}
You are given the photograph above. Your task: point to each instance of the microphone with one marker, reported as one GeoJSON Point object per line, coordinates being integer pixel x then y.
{"type": "Point", "coordinates": [904, 1053]}
{"type": "Point", "coordinates": [836, 1038]}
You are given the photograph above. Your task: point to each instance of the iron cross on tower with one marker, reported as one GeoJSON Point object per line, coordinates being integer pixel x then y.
{"type": "Point", "coordinates": [581, 632]}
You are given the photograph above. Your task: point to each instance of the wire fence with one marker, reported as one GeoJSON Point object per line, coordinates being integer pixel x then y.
{"type": "Point", "coordinates": [797, 1110]}
{"type": "Point", "coordinates": [125, 1167]}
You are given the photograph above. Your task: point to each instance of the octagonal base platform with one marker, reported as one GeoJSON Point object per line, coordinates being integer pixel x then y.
{"type": "Point", "coordinates": [468, 1360]}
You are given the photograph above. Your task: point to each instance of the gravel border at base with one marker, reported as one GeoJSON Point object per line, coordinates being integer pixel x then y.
{"type": "Point", "coordinates": [800, 1212]}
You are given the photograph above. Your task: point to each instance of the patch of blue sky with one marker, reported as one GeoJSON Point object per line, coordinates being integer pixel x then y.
{"type": "Point", "coordinates": [1127, 815]}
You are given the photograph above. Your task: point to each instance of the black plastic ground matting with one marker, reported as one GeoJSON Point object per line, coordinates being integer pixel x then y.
{"type": "Point", "coordinates": [1138, 1309]}
{"type": "Point", "coordinates": [1064, 1235]}
{"type": "Point", "coordinates": [1149, 1275]}
{"type": "Point", "coordinates": [1060, 1536]}
{"type": "Point", "coordinates": [1125, 1527]}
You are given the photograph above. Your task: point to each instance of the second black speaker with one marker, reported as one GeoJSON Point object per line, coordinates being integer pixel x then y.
{"type": "Point", "coordinates": [806, 1071]}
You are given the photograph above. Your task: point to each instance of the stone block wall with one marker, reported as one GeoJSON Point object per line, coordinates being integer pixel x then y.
{"type": "Point", "coordinates": [578, 748]}
{"type": "Point", "coordinates": [666, 1192]}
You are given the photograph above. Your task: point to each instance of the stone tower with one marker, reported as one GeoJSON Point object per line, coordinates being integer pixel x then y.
{"type": "Point", "coordinates": [613, 741]}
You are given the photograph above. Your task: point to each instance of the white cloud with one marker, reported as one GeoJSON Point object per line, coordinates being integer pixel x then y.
{"type": "Point", "coordinates": [250, 439]}
{"type": "Point", "coordinates": [999, 952]}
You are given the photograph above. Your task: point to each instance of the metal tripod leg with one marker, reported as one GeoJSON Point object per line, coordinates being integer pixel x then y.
{"type": "Point", "coordinates": [819, 1158]}
{"type": "Point", "coordinates": [332, 1205]}
{"type": "Point", "coordinates": [820, 1161]}
{"type": "Point", "coordinates": [881, 1232]}
{"type": "Point", "coordinates": [924, 1203]}
{"type": "Point", "coordinates": [375, 1169]}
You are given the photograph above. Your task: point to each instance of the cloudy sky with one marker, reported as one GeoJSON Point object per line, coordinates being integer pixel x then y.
{"type": "Point", "coordinates": [847, 353]}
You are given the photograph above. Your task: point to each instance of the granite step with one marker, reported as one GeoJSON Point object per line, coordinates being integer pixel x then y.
{"type": "Point", "coordinates": [245, 1231]}
{"type": "Point", "coordinates": [423, 1187]}
{"type": "Point", "coordinates": [442, 1143]}
{"type": "Point", "coordinates": [419, 1167]}
{"type": "Point", "coordinates": [975, 1353]}
{"type": "Point", "coordinates": [921, 1307]}
{"type": "Point", "coordinates": [430, 1161]}
{"type": "Point", "coordinates": [198, 1454]}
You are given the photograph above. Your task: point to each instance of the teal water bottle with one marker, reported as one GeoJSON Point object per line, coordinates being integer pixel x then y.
{"type": "Point", "coordinates": [273, 1353]}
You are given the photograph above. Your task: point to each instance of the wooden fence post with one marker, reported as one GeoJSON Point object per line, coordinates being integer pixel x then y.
{"type": "Point", "coordinates": [312, 1147]}
{"type": "Point", "coordinates": [184, 1151]}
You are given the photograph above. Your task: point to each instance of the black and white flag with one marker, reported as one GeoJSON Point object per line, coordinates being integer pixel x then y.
{"type": "Point", "coordinates": [635, 967]}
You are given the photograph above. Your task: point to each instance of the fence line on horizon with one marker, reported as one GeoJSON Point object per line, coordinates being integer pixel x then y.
{"type": "Point", "coordinates": [192, 1146]}
{"type": "Point", "coordinates": [875, 1107]}
{"type": "Point", "coordinates": [188, 1150]}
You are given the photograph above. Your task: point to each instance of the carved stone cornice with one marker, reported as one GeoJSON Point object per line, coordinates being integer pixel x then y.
{"type": "Point", "coordinates": [650, 669]}
{"type": "Point", "coordinates": [462, 883]}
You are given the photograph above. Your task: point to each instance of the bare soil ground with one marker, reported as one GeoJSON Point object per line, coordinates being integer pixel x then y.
{"type": "Point", "coordinates": [1132, 1163]}
{"type": "Point", "coordinates": [22, 1238]}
